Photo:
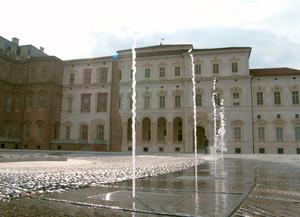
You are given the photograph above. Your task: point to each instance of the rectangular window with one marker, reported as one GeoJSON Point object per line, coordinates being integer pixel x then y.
{"type": "Point", "coordinates": [198, 100]}
{"type": "Point", "coordinates": [87, 76]}
{"type": "Point", "coordinates": [198, 69]}
{"type": "Point", "coordinates": [177, 71]}
{"type": "Point", "coordinates": [234, 68]}
{"type": "Point", "coordinates": [177, 102]}
{"type": "Point", "coordinates": [39, 131]}
{"type": "Point", "coordinates": [18, 103]}
{"type": "Point", "coordinates": [70, 105]}
{"type": "Point", "coordinates": [58, 104]}
{"type": "Point", "coordinates": [103, 75]}
{"type": "Point", "coordinates": [32, 75]}
{"type": "Point", "coordinates": [260, 98]}
{"type": "Point", "coordinates": [11, 75]}
{"type": "Point", "coordinates": [217, 99]}
{"type": "Point", "coordinates": [237, 133]}
{"type": "Point", "coordinates": [279, 134]}
{"type": "Point", "coordinates": [147, 102]}
{"type": "Point", "coordinates": [216, 68]}
{"type": "Point", "coordinates": [102, 102]}
{"type": "Point", "coordinates": [44, 74]}
{"type": "Point", "coordinates": [100, 132]}
{"type": "Point", "coordinates": [130, 102]}
{"type": "Point", "coordinates": [296, 116]}
{"type": "Point", "coordinates": [261, 134]}
{"type": "Point", "coordinates": [20, 76]}
{"type": "Point", "coordinates": [236, 98]}
{"type": "Point", "coordinates": [29, 103]}
{"type": "Point", "coordinates": [162, 72]}
{"type": "Point", "coordinates": [119, 102]}
{"type": "Point", "coordinates": [15, 131]}
{"type": "Point", "coordinates": [280, 151]}
{"type": "Point", "coordinates": [238, 151]}
{"type": "Point", "coordinates": [85, 102]}
{"type": "Point", "coordinates": [258, 117]}
{"type": "Point", "coordinates": [131, 73]}
{"type": "Point", "coordinates": [295, 96]}
{"type": "Point", "coordinates": [120, 75]}
{"type": "Point", "coordinates": [27, 131]}
{"type": "Point", "coordinates": [42, 101]}
{"type": "Point", "coordinates": [84, 132]}
{"type": "Point", "coordinates": [72, 78]}
{"type": "Point", "coordinates": [147, 73]}
{"type": "Point", "coordinates": [277, 98]}
{"type": "Point", "coordinates": [6, 130]}
{"type": "Point", "coordinates": [8, 103]}
{"type": "Point", "coordinates": [297, 133]}
{"type": "Point", "coordinates": [68, 133]}
{"type": "Point", "coordinates": [162, 103]}
{"type": "Point", "coordinates": [261, 150]}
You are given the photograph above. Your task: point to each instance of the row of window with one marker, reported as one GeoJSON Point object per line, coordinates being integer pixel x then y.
{"type": "Point", "coordinates": [40, 128]}
{"type": "Point", "coordinates": [15, 131]}
{"type": "Point", "coordinates": [177, 70]}
{"type": "Point", "coordinates": [261, 135]}
{"type": "Point", "coordinates": [32, 75]}
{"type": "Point", "coordinates": [29, 103]}
{"type": "Point", "coordinates": [235, 99]}
{"type": "Point", "coordinates": [101, 76]}
{"type": "Point", "coordinates": [101, 103]}
{"type": "Point", "coordinates": [277, 98]}
{"type": "Point", "coordinates": [263, 150]}
{"type": "Point", "coordinates": [84, 132]}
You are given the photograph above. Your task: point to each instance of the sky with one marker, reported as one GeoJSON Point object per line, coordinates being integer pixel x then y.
{"type": "Point", "coordinates": [74, 29]}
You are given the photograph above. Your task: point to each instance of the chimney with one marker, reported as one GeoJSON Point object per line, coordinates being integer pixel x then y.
{"type": "Point", "coordinates": [15, 41]}
{"type": "Point", "coordinates": [42, 49]}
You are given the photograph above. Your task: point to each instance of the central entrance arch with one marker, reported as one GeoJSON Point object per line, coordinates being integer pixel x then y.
{"type": "Point", "coordinates": [200, 138]}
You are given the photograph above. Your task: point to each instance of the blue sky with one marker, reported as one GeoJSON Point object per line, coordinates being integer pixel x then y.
{"type": "Point", "coordinates": [94, 28]}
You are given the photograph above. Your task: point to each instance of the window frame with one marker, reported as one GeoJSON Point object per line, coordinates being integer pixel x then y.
{"type": "Point", "coordinates": [259, 98]}
{"type": "Point", "coordinates": [277, 98]}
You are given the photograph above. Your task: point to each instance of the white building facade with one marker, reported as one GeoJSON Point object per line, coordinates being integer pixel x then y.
{"type": "Point", "coordinates": [85, 116]}
{"type": "Point", "coordinates": [261, 105]}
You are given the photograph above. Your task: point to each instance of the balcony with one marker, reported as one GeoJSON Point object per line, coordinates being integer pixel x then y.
{"type": "Point", "coordinates": [10, 139]}
{"type": "Point", "coordinates": [73, 141]}
{"type": "Point", "coordinates": [97, 141]}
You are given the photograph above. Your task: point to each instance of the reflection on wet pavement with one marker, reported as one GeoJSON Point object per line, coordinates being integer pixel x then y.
{"type": "Point", "coordinates": [227, 187]}
{"type": "Point", "coordinates": [219, 188]}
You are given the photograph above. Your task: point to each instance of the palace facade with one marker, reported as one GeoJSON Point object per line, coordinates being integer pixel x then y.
{"type": "Point", "coordinates": [85, 104]}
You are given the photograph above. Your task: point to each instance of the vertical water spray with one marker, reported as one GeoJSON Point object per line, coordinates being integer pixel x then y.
{"type": "Point", "coordinates": [194, 107]}
{"type": "Point", "coordinates": [213, 100]}
{"type": "Point", "coordinates": [195, 129]}
{"type": "Point", "coordinates": [133, 114]}
{"type": "Point", "coordinates": [222, 129]}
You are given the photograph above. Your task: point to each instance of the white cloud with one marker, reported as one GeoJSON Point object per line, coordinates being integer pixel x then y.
{"type": "Point", "coordinates": [78, 29]}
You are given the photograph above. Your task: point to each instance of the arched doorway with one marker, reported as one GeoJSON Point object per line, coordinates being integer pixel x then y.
{"type": "Point", "coordinates": [200, 138]}
{"type": "Point", "coordinates": [146, 130]}
{"type": "Point", "coordinates": [161, 130]}
{"type": "Point", "coordinates": [177, 130]}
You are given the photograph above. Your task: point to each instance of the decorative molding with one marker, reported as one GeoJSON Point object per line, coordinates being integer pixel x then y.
{"type": "Point", "coordinates": [177, 92]}
{"type": "Point", "coordinates": [162, 93]}
{"type": "Point", "coordinates": [236, 90]}
{"type": "Point", "coordinates": [237, 123]}
{"type": "Point", "coordinates": [277, 88]}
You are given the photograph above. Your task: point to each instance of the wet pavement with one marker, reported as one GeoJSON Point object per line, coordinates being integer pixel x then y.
{"type": "Point", "coordinates": [226, 187]}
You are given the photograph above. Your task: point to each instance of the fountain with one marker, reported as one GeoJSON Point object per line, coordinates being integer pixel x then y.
{"type": "Point", "coordinates": [195, 130]}
{"type": "Point", "coordinates": [133, 115]}
{"type": "Point", "coordinates": [219, 146]}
